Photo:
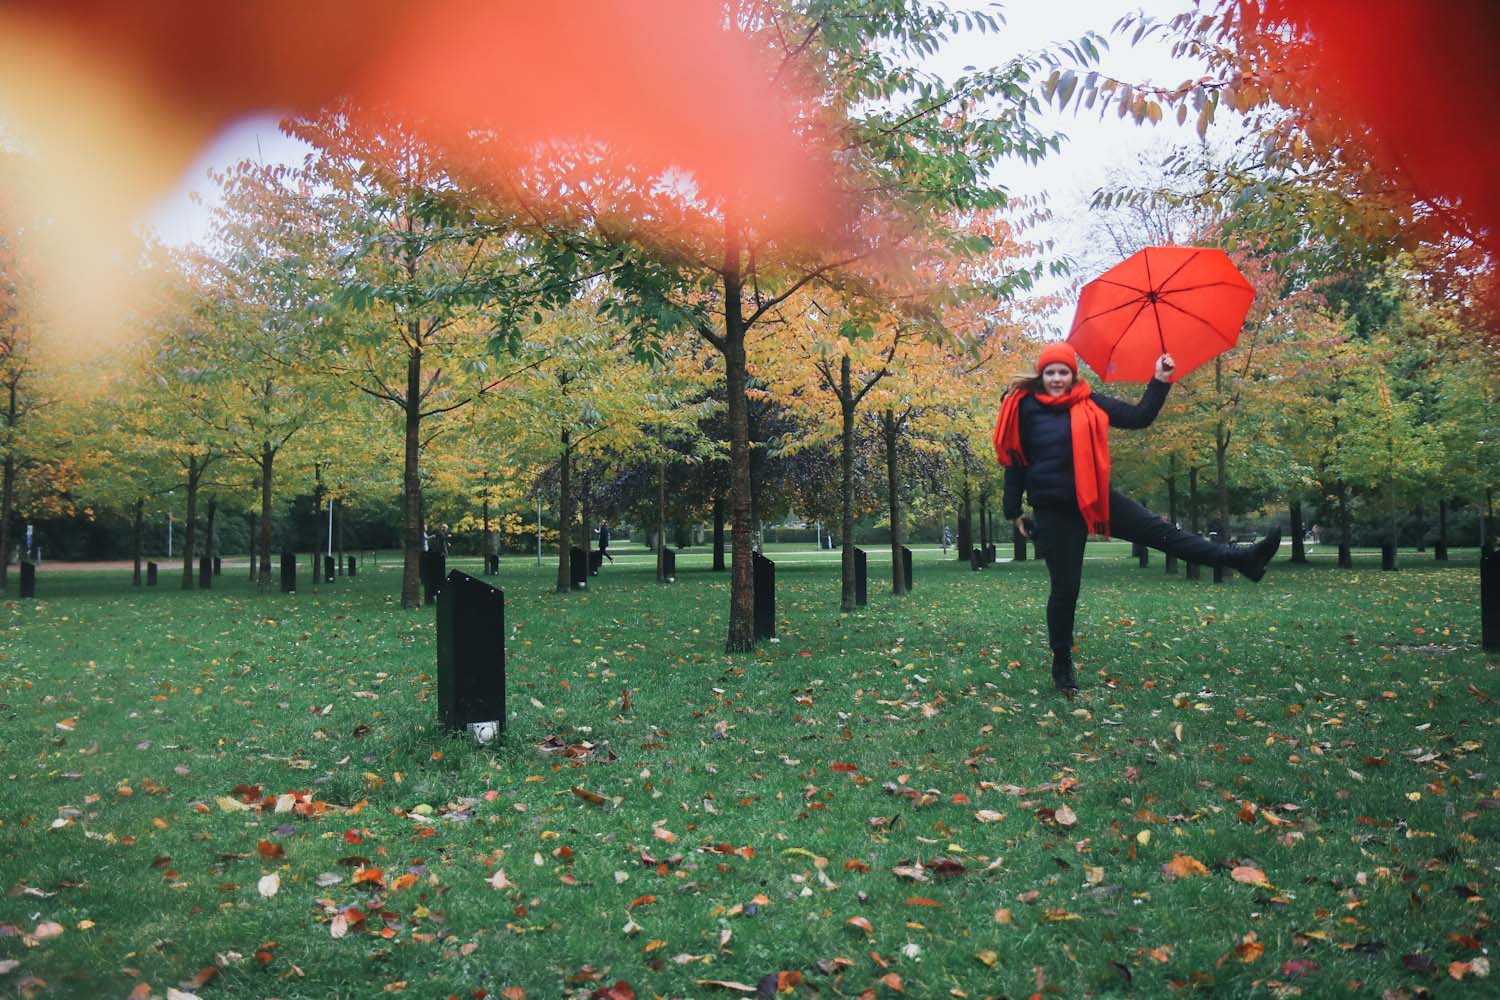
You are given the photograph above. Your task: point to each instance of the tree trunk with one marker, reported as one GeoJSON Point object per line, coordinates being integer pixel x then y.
{"type": "Point", "coordinates": [1440, 548]}
{"type": "Point", "coordinates": [1392, 531]}
{"type": "Point", "coordinates": [586, 509]}
{"type": "Point", "coordinates": [1221, 462]}
{"type": "Point", "coordinates": [137, 528]}
{"type": "Point", "coordinates": [1346, 528]}
{"type": "Point", "coordinates": [1195, 519]}
{"type": "Point", "coordinates": [984, 521]}
{"type": "Point", "coordinates": [191, 526]}
{"type": "Point", "coordinates": [489, 539]}
{"type": "Point", "coordinates": [208, 529]}
{"type": "Point", "coordinates": [898, 575]}
{"type": "Point", "coordinates": [718, 533]}
{"type": "Point", "coordinates": [411, 541]}
{"type": "Point", "coordinates": [846, 488]}
{"type": "Point", "coordinates": [741, 637]}
{"type": "Point", "coordinates": [661, 521]}
{"type": "Point", "coordinates": [316, 534]}
{"type": "Point", "coordinates": [1171, 560]}
{"type": "Point", "coordinates": [965, 539]}
{"type": "Point", "coordinates": [1299, 548]}
{"type": "Point", "coordinates": [7, 490]}
{"type": "Point", "coordinates": [264, 583]}
{"type": "Point", "coordinates": [564, 517]}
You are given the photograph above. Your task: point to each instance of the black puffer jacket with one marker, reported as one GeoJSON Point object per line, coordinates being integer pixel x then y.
{"type": "Point", "coordinates": [1047, 443]}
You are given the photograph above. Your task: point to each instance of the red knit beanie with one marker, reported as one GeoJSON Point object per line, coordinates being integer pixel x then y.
{"type": "Point", "coordinates": [1059, 353]}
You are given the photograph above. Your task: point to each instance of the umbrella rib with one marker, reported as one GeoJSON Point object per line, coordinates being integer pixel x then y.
{"type": "Point", "coordinates": [1187, 312]}
{"type": "Point", "coordinates": [1120, 339]}
{"type": "Point", "coordinates": [1206, 284]}
{"type": "Point", "coordinates": [1191, 257]}
{"type": "Point", "coordinates": [1105, 312]}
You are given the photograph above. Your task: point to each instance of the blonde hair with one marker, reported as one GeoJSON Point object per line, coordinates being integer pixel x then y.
{"type": "Point", "coordinates": [1023, 382]}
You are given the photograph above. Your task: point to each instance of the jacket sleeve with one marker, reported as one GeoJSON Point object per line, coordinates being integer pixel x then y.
{"type": "Point", "coordinates": [1015, 482]}
{"type": "Point", "coordinates": [1134, 416]}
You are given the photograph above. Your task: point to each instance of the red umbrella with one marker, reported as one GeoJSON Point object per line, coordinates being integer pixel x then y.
{"type": "Point", "coordinates": [1185, 301]}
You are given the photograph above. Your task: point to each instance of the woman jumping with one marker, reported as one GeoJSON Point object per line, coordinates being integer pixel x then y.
{"type": "Point", "coordinates": [1052, 437]}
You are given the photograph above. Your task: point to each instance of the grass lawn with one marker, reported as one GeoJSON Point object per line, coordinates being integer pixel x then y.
{"type": "Point", "coordinates": [1264, 790]}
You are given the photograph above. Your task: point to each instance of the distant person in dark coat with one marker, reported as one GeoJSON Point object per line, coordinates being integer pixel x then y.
{"type": "Point", "coordinates": [604, 541]}
{"type": "Point", "coordinates": [1052, 437]}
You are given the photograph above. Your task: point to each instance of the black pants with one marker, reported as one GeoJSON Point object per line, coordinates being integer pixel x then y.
{"type": "Point", "coordinates": [1060, 538]}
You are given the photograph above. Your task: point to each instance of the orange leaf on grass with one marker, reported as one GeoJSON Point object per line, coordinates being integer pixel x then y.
{"type": "Point", "coordinates": [922, 901]}
{"type": "Point", "coordinates": [893, 981]}
{"type": "Point", "coordinates": [402, 882]}
{"type": "Point", "coordinates": [1183, 866]}
{"type": "Point", "coordinates": [639, 901]}
{"type": "Point", "coordinates": [1250, 876]}
{"type": "Point", "coordinates": [367, 875]}
{"type": "Point", "coordinates": [270, 851]}
{"type": "Point", "coordinates": [862, 924]}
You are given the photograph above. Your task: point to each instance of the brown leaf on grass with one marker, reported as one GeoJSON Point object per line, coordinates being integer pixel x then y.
{"type": "Point", "coordinates": [1297, 968]}
{"type": "Point", "coordinates": [403, 882]}
{"type": "Point", "coordinates": [513, 993]}
{"type": "Point", "coordinates": [923, 901]}
{"type": "Point", "coordinates": [989, 816]}
{"type": "Point", "coordinates": [1249, 949]}
{"type": "Point", "coordinates": [142, 991]}
{"type": "Point", "coordinates": [662, 833]}
{"type": "Point", "coordinates": [1183, 866]}
{"type": "Point", "coordinates": [1418, 963]}
{"type": "Point", "coordinates": [892, 981]}
{"type": "Point", "coordinates": [270, 851]}
{"type": "Point", "coordinates": [639, 901]}
{"type": "Point", "coordinates": [862, 924]}
{"type": "Point", "coordinates": [726, 984]}
{"type": "Point", "coordinates": [1065, 816]}
{"type": "Point", "coordinates": [370, 876]}
{"type": "Point", "coordinates": [594, 798]}
{"type": "Point", "coordinates": [1250, 876]}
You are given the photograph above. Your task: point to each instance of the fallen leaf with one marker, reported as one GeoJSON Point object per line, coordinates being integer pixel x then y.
{"type": "Point", "coordinates": [268, 885]}
{"type": "Point", "coordinates": [1250, 876]}
{"type": "Point", "coordinates": [726, 984]}
{"type": "Point", "coordinates": [989, 816]}
{"type": "Point", "coordinates": [988, 957]}
{"type": "Point", "coordinates": [499, 881]}
{"type": "Point", "coordinates": [1183, 866]}
{"type": "Point", "coordinates": [862, 924]}
{"type": "Point", "coordinates": [46, 930]}
{"type": "Point", "coordinates": [892, 981]}
{"type": "Point", "coordinates": [1065, 816]}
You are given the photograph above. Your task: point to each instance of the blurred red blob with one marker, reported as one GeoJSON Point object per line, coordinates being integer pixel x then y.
{"type": "Point", "coordinates": [1420, 79]}
{"type": "Point", "coordinates": [660, 85]}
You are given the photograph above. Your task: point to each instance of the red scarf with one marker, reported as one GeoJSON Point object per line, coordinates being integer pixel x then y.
{"type": "Point", "coordinates": [1090, 426]}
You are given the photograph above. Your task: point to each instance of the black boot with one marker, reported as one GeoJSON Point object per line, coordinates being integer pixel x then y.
{"type": "Point", "coordinates": [1062, 674]}
{"type": "Point", "coordinates": [1252, 560]}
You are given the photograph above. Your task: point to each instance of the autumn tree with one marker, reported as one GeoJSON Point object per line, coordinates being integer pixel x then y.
{"type": "Point", "coordinates": [909, 146]}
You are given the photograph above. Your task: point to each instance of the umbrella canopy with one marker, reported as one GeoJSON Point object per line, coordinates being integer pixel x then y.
{"type": "Point", "coordinates": [1189, 302]}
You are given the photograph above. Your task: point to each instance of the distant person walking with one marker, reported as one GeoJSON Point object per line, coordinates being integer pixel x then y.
{"type": "Point", "coordinates": [1052, 437]}
{"type": "Point", "coordinates": [604, 541]}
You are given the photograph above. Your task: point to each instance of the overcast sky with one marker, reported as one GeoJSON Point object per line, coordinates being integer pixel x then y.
{"type": "Point", "coordinates": [1093, 151]}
